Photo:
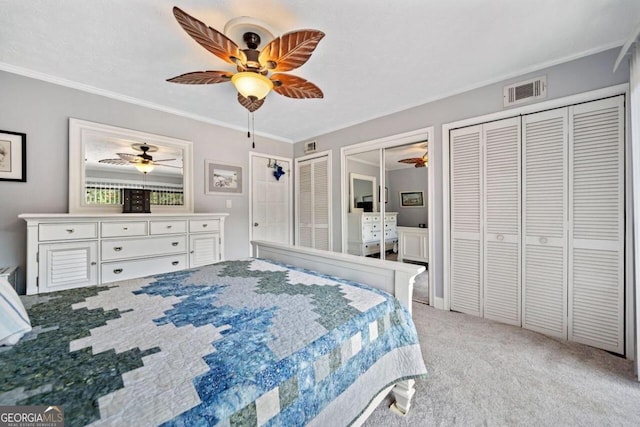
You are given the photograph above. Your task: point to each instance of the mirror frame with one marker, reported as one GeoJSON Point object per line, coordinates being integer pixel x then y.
{"type": "Point", "coordinates": [353, 176]}
{"type": "Point", "coordinates": [77, 129]}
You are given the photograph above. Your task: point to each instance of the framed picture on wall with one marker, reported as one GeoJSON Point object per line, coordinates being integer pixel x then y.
{"type": "Point", "coordinates": [221, 178]}
{"type": "Point", "coordinates": [411, 199]}
{"type": "Point", "coordinates": [13, 156]}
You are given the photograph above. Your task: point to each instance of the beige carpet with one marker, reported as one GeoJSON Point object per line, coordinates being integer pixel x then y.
{"type": "Point", "coordinates": [485, 373]}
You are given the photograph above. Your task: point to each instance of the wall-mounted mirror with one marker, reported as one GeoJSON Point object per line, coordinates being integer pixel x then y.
{"type": "Point", "coordinates": [104, 160]}
{"type": "Point", "coordinates": [363, 192]}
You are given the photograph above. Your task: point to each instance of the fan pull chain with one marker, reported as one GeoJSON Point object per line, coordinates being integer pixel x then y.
{"type": "Point", "coordinates": [253, 130]}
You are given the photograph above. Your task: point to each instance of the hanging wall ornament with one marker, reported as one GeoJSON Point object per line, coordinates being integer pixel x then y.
{"type": "Point", "coordinates": [277, 169]}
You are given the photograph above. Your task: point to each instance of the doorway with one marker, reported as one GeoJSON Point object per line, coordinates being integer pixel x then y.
{"type": "Point", "coordinates": [270, 190]}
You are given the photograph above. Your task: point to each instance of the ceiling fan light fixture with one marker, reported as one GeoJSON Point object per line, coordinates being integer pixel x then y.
{"type": "Point", "coordinates": [145, 167]}
{"type": "Point", "coordinates": [252, 85]}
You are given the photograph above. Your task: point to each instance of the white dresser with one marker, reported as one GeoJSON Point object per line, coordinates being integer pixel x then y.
{"type": "Point", "coordinates": [366, 229]}
{"type": "Point", "coordinates": [71, 250]}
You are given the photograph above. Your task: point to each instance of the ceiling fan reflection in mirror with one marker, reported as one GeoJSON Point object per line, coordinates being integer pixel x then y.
{"type": "Point", "coordinates": [143, 161]}
{"type": "Point", "coordinates": [252, 79]}
{"type": "Point", "coordinates": [418, 162]}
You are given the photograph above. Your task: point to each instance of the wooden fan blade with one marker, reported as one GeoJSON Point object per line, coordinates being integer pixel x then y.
{"type": "Point", "coordinates": [166, 166]}
{"type": "Point", "coordinates": [290, 50]}
{"type": "Point", "coordinates": [249, 103]}
{"type": "Point", "coordinates": [163, 160]}
{"type": "Point", "coordinates": [412, 160]}
{"type": "Point", "coordinates": [209, 38]}
{"type": "Point", "coordinates": [295, 87]}
{"type": "Point", "coordinates": [202, 77]}
{"type": "Point", "coordinates": [120, 162]}
{"type": "Point", "coordinates": [129, 157]}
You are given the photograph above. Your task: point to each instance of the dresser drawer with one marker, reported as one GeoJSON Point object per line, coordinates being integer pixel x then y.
{"type": "Point", "coordinates": [371, 218]}
{"type": "Point", "coordinates": [122, 270]}
{"type": "Point", "coordinates": [150, 246]}
{"type": "Point", "coordinates": [208, 225]}
{"type": "Point", "coordinates": [124, 229]}
{"type": "Point", "coordinates": [67, 231]}
{"type": "Point", "coordinates": [167, 227]}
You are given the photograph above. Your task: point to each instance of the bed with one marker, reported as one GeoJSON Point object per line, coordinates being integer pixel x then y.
{"type": "Point", "coordinates": [288, 337]}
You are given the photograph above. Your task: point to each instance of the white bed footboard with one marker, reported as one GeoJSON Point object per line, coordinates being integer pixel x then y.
{"type": "Point", "coordinates": [390, 276]}
{"type": "Point", "coordinates": [393, 277]}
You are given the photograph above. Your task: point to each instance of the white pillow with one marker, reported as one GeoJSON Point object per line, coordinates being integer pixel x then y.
{"type": "Point", "coordinates": [14, 320]}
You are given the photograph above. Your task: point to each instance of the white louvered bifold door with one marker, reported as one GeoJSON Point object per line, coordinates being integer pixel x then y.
{"type": "Point", "coordinates": [596, 229]}
{"type": "Point", "coordinates": [321, 203]}
{"type": "Point", "coordinates": [313, 203]}
{"type": "Point", "coordinates": [501, 197]}
{"type": "Point", "coordinates": [544, 222]}
{"type": "Point", "coordinates": [466, 220]}
{"type": "Point", "coordinates": [304, 235]}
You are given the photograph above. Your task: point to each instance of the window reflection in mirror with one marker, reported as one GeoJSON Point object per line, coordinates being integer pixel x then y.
{"type": "Point", "coordinates": [113, 164]}
{"type": "Point", "coordinates": [105, 159]}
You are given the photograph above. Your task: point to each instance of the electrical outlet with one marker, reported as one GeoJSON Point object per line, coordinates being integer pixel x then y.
{"type": "Point", "coordinates": [228, 203]}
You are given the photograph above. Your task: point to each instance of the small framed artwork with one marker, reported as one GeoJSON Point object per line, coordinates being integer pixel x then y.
{"type": "Point", "coordinates": [411, 199]}
{"type": "Point", "coordinates": [222, 178]}
{"type": "Point", "coordinates": [13, 156]}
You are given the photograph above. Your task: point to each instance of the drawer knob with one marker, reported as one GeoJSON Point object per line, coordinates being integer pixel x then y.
{"type": "Point", "coordinates": [174, 243]}
{"type": "Point", "coordinates": [93, 263]}
{"type": "Point", "coordinates": [175, 263]}
{"type": "Point", "coordinates": [117, 271]}
{"type": "Point", "coordinates": [125, 228]}
{"type": "Point", "coordinates": [70, 230]}
{"type": "Point", "coordinates": [192, 252]}
{"type": "Point", "coordinates": [117, 248]}
{"type": "Point", "coordinates": [169, 226]}
{"type": "Point", "coordinates": [205, 225]}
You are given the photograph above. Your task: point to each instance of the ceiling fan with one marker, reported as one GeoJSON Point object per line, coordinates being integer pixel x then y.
{"type": "Point", "coordinates": [418, 162]}
{"type": "Point", "coordinates": [143, 162]}
{"type": "Point", "coordinates": [252, 80]}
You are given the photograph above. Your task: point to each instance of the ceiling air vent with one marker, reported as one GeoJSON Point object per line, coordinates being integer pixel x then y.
{"type": "Point", "coordinates": [528, 90]}
{"type": "Point", "coordinates": [309, 147]}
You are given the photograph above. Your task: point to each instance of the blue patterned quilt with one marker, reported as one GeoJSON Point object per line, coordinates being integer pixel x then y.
{"type": "Point", "coordinates": [246, 342]}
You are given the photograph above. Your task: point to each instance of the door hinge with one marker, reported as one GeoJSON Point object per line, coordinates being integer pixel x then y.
{"type": "Point", "coordinates": [37, 282]}
{"type": "Point", "coordinates": [37, 256]}
{"type": "Point", "coordinates": [219, 240]}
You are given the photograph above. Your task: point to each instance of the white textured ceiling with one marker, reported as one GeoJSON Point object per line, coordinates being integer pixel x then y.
{"type": "Point", "coordinates": [378, 57]}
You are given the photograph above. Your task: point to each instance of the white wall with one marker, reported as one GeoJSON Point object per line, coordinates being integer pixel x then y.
{"type": "Point", "coordinates": [42, 111]}
{"type": "Point", "coordinates": [580, 75]}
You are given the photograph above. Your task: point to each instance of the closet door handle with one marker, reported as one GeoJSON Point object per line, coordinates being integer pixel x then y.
{"type": "Point", "coordinates": [117, 248]}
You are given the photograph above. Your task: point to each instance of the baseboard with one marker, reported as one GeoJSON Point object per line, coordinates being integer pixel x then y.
{"type": "Point", "coordinates": [438, 303]}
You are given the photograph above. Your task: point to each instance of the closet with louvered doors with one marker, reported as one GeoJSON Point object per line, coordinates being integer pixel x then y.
{"type": "Point", "coordinates": [573, 187]}
{"type": "Point", "coordinates": [596, 224]}
{"type": "Point", "coordinates": [466, 220]}
{"type": "Point", "coordinates": [537, 222]}
{"type": "Point", "coordinates": [485, 220]}
{"type": "Point", "coordinates": [312, 215]}
{"type": "Point", "coordinates": [544, 223]}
